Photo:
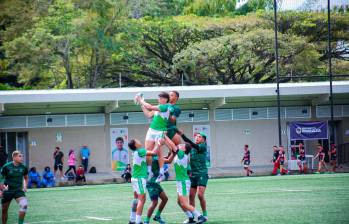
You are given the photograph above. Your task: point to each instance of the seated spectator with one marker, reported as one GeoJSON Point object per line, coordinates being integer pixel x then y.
{"type": "Point", "coordinates": [80, 175]}
{"type": "Point", "coordinates": [127, 174]}
{"type": "Point", "coordinates": [48, 179]}
{"type": "Point", "coordinates": [70, 176]}
{"type": "Point", "coordinates": [34, 178]}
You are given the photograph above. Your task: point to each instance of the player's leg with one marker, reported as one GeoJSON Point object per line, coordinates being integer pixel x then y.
{"type": "Point", "coordinates": [164, 200]}
{"type": "Point", "coordinates": [193, 190]}
{"type": "Point", "coordinates": [201, 195]}
{"type": "Point", "coordinates": [334, 165]}
{"type": "Point", "coordinates": [246, 170]}
{"type": "Point", "coordinates": [133, 208]}
{"type": "Point", "coordinates": [300, 165]}
{"type": "Point", "coordinates": [139, 185]}
{"type": "Point", "coordinates": [161, 207]}
{"type": "Point", "coordinates": [149, 146]}
{"type": "Point", "coordinates": [325, 166]}
{"type": "Point", "coordinates": [5, 206]}
{"type": "Point", "coordinates": [160, 155]}
{"type": "Point", "coordinates": [23, 205]}
{"type": "Point", "coordinates": [55, 168]}
{"type": "Point", "coordinates": [183, 188]}
{"type": "Point", "coordinates": [154, 203]}
{"type": "Point", "coordinates": [176, 139]}
{"type": "Point", "coordinates": [60, 167]}
{"type": "Point", "coordinates": [319, 167]}
{"type": "Point", "coordinates": [275, 169]}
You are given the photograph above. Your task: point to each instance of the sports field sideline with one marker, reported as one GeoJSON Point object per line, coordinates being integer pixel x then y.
{"type": "Point", "coordinates": [274, 199]}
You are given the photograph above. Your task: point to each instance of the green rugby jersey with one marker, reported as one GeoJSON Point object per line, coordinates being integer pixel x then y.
{"type": "Point", "coordinates": [181, 166]}
{"type": "Point", "coordinates": [160, 119]}
{"type": "Point", "coordinates": [155, 168]}
{"type": "Point", "coordinates": [175, 111]}
{"type": "Point", "coordinates": [13, 176]}
{"type": "Point", "coordinates": [139, 164]}
{"type": "Point", "coordinates": [198, 159]}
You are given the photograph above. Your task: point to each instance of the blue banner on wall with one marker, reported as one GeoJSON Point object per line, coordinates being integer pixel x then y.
{"type": "Point", "coordinates": [308, 130]}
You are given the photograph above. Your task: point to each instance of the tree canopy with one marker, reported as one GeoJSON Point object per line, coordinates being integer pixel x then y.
{"type": "Point", "coordinates": [98, 43]}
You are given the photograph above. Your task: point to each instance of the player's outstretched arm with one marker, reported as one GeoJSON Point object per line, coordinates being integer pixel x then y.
{"type": "Point", "coordinates": [186, 139]}
{"type": "Point", "coordinates": [147, 113]}
{"type": "Point", "coordinates": [148, 106]}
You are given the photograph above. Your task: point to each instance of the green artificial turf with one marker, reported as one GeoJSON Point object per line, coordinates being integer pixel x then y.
{"type": "Point", "coordinates": [322, 198]}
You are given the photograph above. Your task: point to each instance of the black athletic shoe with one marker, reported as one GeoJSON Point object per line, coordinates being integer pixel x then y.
{"type": "Point", "coordinates": [159, 219]}
{"type": "Point", "coordinates": [201, 219]}
{"type": "Point", "coordinates": [190, 220]}
{"type": "Point", "coordinates": [131, 222]}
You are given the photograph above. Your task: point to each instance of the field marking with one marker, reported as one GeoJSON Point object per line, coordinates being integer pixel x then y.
{"type": "Point", "coordinates": [98, 218]}
{"type": "Point", "coordinates": [60, 221]}
{"type": "Point", "coordinates": [276, 191]}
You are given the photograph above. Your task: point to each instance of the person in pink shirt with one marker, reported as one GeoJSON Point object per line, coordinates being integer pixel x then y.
{"type": "Point", "coordinates": [71, 162]}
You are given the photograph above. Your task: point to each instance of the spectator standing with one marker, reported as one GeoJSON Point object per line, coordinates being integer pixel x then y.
{"type": "Point", "coordinates": [71, 162]}
{"type": "Point", "coordinates": [58, 157]}
{"type": "Point", "coordinates": [85, 155]}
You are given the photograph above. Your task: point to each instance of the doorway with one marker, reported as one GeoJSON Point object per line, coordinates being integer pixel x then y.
{"type": "Point", "coordinates": [12, 141]}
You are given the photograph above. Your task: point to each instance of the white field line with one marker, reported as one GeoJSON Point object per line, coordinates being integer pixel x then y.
{"type": "Point", "coordinates": [60, 221]}
{"type": "Point", "coordinates": [98, 218]}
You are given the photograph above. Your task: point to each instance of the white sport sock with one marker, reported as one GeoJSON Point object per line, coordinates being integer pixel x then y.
{"type": "Point", "coordinates": [133, 217]}
{"type": "Point", "coordinates": [149, 170]}
{"type": "Point", "coordinates": [189, 214]}
{"type": "Point", "coordinates": [138, 219]}
{"type": "Point", "coordinates": [162, 170]}
{"type": "Point", "coordinates": [196, 213]}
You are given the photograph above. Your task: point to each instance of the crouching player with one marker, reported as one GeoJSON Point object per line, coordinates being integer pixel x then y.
{"type": "Point", "coordinates": [15, 184]}
{"type": "Point", "coordinates": [181, 163]}
{"type": "Point", "coordinates": [154, 188]}
{"type": "Point", "coordinates": [138, 179]}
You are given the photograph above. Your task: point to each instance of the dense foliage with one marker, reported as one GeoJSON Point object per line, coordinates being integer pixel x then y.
{"type": "Point", "coordinates": [102, 43]}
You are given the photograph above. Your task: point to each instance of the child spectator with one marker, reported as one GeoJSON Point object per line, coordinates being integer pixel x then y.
{"type": "Point", "coordinates": [34, 178]}
{"type": "Point", "coordinates": [48, 179]}
{"type": "Point", "coordinates": [80, 175]}
{"type": "Point", "coordinates": [127, 174]}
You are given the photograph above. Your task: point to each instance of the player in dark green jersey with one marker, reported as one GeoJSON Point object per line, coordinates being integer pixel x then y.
{"type": "Point", "coordinates": [15, 176]}
{"type": "Point", "coordinates": [154, 188]}
{"type": "Point", "coordinates": [172, 122]}
{"type": "Point", "coordinates": [199, 173]}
